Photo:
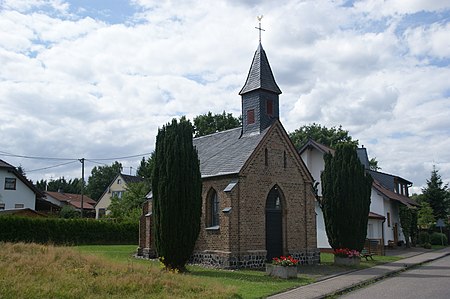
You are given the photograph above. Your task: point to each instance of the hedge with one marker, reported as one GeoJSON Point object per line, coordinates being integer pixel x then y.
{"type": "Point", "coordinates": [437, 239]}
{"type": "Point", "coordinates": [67, 231]}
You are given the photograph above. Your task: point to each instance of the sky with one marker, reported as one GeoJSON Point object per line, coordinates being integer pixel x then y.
{"type": "Point", "coordinates": [95, 79]}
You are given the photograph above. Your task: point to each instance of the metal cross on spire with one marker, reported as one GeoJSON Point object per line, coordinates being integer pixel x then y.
{"type": "Point", "coordinates": [259, 27]}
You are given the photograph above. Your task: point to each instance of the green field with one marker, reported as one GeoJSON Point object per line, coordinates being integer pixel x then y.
{"type": "Point", "coordinates": [111, 271]}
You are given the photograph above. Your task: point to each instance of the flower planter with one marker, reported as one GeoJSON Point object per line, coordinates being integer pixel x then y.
{"type": "Point", "coordinates": [346, 261]}
{"type": "Point", "coordinates": [281, 271]}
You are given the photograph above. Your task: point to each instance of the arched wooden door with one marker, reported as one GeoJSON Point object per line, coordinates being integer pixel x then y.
{"type": "Point", "coordinates": [274, 224]}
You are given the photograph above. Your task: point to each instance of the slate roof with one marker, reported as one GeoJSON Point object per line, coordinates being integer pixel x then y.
{"type": "Point", "coordinates": [363, 157]}
{"type": "Point", "coordinates": [260, 75]}
{"type": "Point", "coordinates": [319, 146]}
{"type": "Point", "coordinates": [225, 152]}
{"type": "Point", "coordinates": [131, 178]}
{"type": "Point", "coordinates": [394, 196]}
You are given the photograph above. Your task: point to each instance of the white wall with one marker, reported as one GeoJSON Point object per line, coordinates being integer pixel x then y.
{"type": "Point", "coordinates": [316, 164]}
{"type": "Point", "coordinates": [322, 239]}
{"type": "Point", "coordinates": [22, 195]}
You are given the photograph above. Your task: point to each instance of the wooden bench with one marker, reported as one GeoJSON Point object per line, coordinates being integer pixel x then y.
{"type": "Point", "coordinates": [366, 254]}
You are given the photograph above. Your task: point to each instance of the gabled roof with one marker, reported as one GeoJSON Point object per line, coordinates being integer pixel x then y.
{"type": "Point", "coordinates": [373, 215]}
{"type": "Point", "coordinates": [311, 143]}
{"type": "Point", "coordinates": [11, 168]}
{"type": "Point", "coordinates": [260, 75]}
{"type": "Point", "coordinates": [394, 196]}
{"type": "Point", "coordinates": [72, 199]}
{"type": "Point", "coordinates": [225, 152]}
{"type": "Point", "coordinates": [131, 178]}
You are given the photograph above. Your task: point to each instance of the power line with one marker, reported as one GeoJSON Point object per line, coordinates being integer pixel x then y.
{"type": "Point", "coordinates": [49, 167]}
{"type": "Point", "coordinates": [35, 157]}
{"type": "Point", "coordinates": [2, 153]}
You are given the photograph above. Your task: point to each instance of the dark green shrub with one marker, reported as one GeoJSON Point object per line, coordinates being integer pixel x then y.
{"type": "Point", "coordinates": [437, 239]}
{"type": "Point", "coordinates": [427, 245]}
{"type": "Point", "coordinates": [67, 231]}
{"type": "Point", "coordinates": [424, 237]}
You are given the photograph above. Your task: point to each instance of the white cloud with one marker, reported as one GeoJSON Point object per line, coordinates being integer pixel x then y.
{"type": "Point", "coordinates": [75, 86]}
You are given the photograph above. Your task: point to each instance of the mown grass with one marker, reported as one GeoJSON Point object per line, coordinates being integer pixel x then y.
{"type": "Point", "coordinates": [41, 271]}
{"type": "Point", "coordinates": [246, 283]}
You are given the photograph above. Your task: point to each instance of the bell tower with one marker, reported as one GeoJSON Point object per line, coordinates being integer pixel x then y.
{"type": "Point", "coordinates": [260, 103]}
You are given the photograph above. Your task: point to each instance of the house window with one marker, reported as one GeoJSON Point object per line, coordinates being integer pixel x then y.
{"type": "Point", "coordinates": [213, 209]}
{"type": "Point", "coordinates": [388, 219]}
{"type": "Point", "coordinates": [10, 184]}
{"type": "Point", "coordinates": [119, 181]}
{"type": "Point", "coordinates": [250, 116]}
{"type": "Point", "coordinates": [2, 206]}
{"type": "Point", "coordinates": [117, 194]}
{"type": "Point", "coordinates": [18, 206]}
{"type": "Point", "coordinates": [101, 213]}
{"type": "Point", "coordinates": [269, 107]}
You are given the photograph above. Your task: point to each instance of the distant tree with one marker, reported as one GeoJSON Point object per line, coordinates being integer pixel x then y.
{"type": "Point", "coordinates": [414, 227]}
{"type": "Point", "coordinates": [101, 177]}
{"type": "Point", "coordinates": [208, 123]}
{"type": "Point", "coordinates": [21, 171]}
{"type": "Point", "coordinates": [145, 169]}
{"type": "Point", "coordinates": [327, 136]}
{"type": "Point", "coordinates": [69, 212]}
{"type": "Point", "coordinates": [437, 195]}
{"type": "Point", "coordinates": [406, 221]}
{"type": "Point", "coordinates": [346, 189]}
{"type": "Point", "coordinates": [129, 207]}
{"type": "Point", "coordinates": [60, 184]}
{"type": "Point", "coordinates": [425, 217]}
{"type": "Point", "coordinates": [373, 164]}
{"type": "Point", "coordinates": [177, 202]}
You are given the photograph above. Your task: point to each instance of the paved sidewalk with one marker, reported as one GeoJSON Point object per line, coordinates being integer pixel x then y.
{"type": "Point", "coordinates": [350, 280]}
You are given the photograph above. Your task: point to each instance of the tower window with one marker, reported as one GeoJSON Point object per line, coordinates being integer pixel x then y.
{"type": "Point", "coordinates": [284, 159]}
{"type": "Point", "coordinates": [251, 116]}
{"type": "Point", "coordinates": [269, 107]}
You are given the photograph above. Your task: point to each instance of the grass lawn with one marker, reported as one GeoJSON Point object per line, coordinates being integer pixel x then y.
{"type": "Point", "coordinates": [328, 258]}
{"type": "Point", "coordinates": [247, 283]}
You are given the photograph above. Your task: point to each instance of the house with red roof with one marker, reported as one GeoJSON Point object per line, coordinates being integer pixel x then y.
{"type": "Point", "coordinates": [62, 199]}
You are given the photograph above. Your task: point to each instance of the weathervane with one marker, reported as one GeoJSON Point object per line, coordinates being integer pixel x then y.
{"type": "Point", "coordinates": [259, 27]}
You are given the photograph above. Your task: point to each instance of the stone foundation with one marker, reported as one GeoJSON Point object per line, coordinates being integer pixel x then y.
{"type": "Point", "coordinates": [307, 257]}
{"type": "Point", "coordinates": [252, 259]}
{"type": "Point", "coordinates": [147, 253]}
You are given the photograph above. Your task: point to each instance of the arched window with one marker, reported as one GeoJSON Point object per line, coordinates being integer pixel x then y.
{"type": "Point", "coordinates": [213, 205]}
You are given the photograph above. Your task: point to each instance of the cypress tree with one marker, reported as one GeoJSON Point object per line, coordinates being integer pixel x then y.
{"type": "Point", "coordinates": [346, 189]}
{"type": "Point", "coordinates": [176, 185]}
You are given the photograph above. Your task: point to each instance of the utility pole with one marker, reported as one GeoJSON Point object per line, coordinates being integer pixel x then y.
{"type": "Point", "coordinates": [82, 185]}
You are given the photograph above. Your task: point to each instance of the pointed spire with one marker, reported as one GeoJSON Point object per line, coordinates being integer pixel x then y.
{"type": "Point", "coordinates": [260, 75]}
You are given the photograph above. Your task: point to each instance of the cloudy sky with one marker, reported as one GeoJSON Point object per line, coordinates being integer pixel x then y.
{"type": "Point", "coordinates": [95, 79]}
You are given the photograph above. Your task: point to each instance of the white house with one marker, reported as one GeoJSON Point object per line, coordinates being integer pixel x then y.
{"type": "Point", "coordinates": [117, 187]}
{"type": "Point", "coordinates": [388, 192]}
{"type": "Point", "coordinates": [16, 192]}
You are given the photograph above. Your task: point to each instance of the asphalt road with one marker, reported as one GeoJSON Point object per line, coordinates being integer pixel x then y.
{"type": "Point", "coordinates": [431, 281]}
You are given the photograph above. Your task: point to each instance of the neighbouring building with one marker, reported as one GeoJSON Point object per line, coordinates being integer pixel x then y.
{"type": "Point", "coordinates": [62, 199]}
{"type": "Point", "coordinates": [258, 200]}
{"type": "Point", "coordinates": [117, 187]}
{"type": "Point", "coordinates": [388, 193]}
{"type": "Point", "coordinates": [16, 192]}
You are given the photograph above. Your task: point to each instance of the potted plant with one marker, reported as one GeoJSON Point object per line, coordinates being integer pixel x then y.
{"type": "Point", "coordinates": [283, 267]}
{"type": "Point", "coordinates": [347, 257]}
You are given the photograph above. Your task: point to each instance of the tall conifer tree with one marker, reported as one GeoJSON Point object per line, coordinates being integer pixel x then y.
{"type": "Point", "coordinates": [346, 189]}
{"type": "Point", "coordinates": [176, 189]}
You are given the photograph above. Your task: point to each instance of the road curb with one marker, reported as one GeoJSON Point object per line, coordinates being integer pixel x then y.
{"type": "Point", "coordinates": [381, 277]}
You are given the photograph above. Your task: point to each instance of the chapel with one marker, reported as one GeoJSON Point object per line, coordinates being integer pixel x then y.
{"type": "Point", "coordinates": [257, 193]}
